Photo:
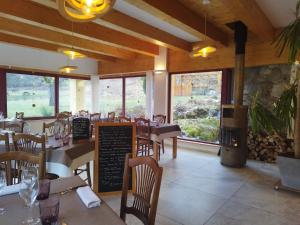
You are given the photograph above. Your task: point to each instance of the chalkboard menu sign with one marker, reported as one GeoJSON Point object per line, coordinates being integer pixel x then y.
{"type": "Point", "coordinates": [113, 142]}
{"type": "Point", "coordinates": [80, 128]}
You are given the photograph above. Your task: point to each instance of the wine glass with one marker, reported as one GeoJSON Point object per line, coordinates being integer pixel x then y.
{"type": "Point", "coordinates": [29, 190]}
{"type": "Point", "coordinates": [2, 184]}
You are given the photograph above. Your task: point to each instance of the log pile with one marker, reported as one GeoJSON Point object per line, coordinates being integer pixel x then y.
{"type": "Point", "coordinates": [266, 147]}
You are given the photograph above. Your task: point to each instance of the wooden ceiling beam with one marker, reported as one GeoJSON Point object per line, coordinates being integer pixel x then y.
{"type": "Point", "coordinates": [142, 29]}
{"type": "Point", "coordinates": [177, 14]}
{"type": "Point", "coordinates": [252, 16]}
{"type": "Point", "coordinates": [131, 26]}
{"type": "Point", "coordinates": [23, 41]}
{"type": "Point", "coordinates": [44, 15]}
{"type": "Point", "coordinates": [13, 26]}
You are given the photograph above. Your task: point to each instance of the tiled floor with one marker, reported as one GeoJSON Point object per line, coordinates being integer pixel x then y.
{"type": "Point", "coordinates": [197, 190]}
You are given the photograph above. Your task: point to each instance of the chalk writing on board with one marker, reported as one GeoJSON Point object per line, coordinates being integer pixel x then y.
{"type": "Point", "coordinates": [81, 128]}
{"type": "Point", "coordinates": [114, 143]}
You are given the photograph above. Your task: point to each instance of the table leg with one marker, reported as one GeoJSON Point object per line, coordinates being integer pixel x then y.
{"type": "Point", "coordinates": [155, 151]}
{"type": "Point", "coordinates": [174, 147]}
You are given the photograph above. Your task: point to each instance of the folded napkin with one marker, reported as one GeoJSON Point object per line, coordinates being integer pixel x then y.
{"type": "Point", "coordinates": [11, 189]}
{"type": "Point", "coordinates": [88, 197]}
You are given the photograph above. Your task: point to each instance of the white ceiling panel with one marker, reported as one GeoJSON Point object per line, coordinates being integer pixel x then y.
{"type": "Point", "coordinates": [146, 17]}
{"type": "Point", "coordinates": [279, 12]}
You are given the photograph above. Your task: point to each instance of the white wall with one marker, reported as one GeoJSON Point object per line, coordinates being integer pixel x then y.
{"type": "Point", "coordinates": [160, 90]}
{"type": "Point", "coordinates": [18, 56]}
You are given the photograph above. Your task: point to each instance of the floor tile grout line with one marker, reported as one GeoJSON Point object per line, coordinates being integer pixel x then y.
{"type": "Point", "coordinates": [226, 201]}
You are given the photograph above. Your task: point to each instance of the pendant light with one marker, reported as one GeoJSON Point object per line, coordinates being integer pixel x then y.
{"type": "Point", "coordinates": [204, 51]}
{"type": "Point", "coordinates": [84, 10]}
{"type": "Point", "coordinates": [68, 68]}
{"type": "Point", "coordinates": [71, 52]}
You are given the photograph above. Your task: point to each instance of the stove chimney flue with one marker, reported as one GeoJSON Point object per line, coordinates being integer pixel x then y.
{"type": "Point", "coordinates": [240, 38]}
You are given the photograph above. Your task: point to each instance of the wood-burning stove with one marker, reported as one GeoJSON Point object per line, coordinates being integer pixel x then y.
{"type": "Point", "coordinates": [233, 138]}
{"type": "Point", "coordinates": [234, 124]}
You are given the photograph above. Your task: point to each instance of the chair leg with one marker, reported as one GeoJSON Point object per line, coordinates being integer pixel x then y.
{"type": "Point", "coordinates": [88, 172]}
{"type": "Point", "coordinates": [163, 146]}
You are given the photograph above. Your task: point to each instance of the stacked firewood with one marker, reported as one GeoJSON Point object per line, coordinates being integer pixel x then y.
{"type": "Point", "coordinates": [266, 147]}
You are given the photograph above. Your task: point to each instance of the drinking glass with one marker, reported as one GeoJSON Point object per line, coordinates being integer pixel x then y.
{"type": "Point", "coordinates": [44, 189]}
{"type": "Point", "coordinates": [29, 190]}
{"type": "Point", "coordinates": [49, 210]}
{"type": "Point", "coordinates": [2, 184]}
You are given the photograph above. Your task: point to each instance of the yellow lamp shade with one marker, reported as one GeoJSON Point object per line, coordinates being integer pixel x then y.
{"type": "Point", "coordinates": [84, 10]}
{"type": "Point", "coordinates": [204, 52]}
{"type": "Point", "coordinates": [71, 53]}
{"type": "Point", "coordinates": [67, 69]}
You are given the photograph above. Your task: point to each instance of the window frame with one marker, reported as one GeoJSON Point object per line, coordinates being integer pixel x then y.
{"type": "Point", "coordinates": [3, 88]}
{"type": "Point", "coordinates": [124, 77]}
{"type": "Point", "coordinates": [226, 95]}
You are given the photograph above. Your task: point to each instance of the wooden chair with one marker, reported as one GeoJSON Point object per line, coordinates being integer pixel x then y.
{"type": "Point", "coordinates": [49, 128]}
{"type": "Point", "coordinates": [83, 112]}
{"type": "Point", "coordinates": [143, 136]}
{"type": "Point", "coordinates": [111, 116]}
{"type": "Point", "coordinates": [86, 170]}
{"type": "Point", "coordinates": [159, 118]}
{"type": "Point", "coordinates": [20, 115]}
{"type": "Point", "coordinates": [65, 118]}
{"type": "Point", "coordinates": [63, 115]}
{"type": "Point", "coordinates": [34, 145]}
{"type": "Point", "coordinates": [22, 159]}
{"type": "Point", "coordinates": [124, 119]}
{"type": "Point", "coordinates": [15, 126]}
{"type": "Point", "coordinates": [147, 182]}
{"type": "Point", "coordinates": [94, 117]}
{"type": "Point", "coordinates": [5, 138]}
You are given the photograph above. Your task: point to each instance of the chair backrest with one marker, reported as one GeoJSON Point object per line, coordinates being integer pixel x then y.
{"type": "Point", "coordinates": [22, 159]}
{"type": "Point", "coordinates": [111, 115]}
{"type": "Point", "coordinates": [31, 144]}
{"type": "Point", "coordinates": [143, 129]}
{"type": "Point", "coordinates": [159, 118]}
{"type": "Point", "coordinates": [123, 119]}
{"type": "Point", "coordinates": [146, 192]}
{"type": "Point", "coordinates": [83, 112]}
{"type": "Point", "coordinates": [49, 128]}
{"type": "Point", "coordinates": [63, 115]}
{"type": "Point", "coordinates": [20, 115]}
{"type": "Point", "coordinates": [16, 126]}
{"type": "Point", "coordinates": [65, 118]}
{"type": "Point", "coordinates": [94, 117]}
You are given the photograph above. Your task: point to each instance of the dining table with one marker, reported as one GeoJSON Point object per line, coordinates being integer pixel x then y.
{"type": "Point", "coordinates": [161, 131]}
{"type": "Point", "coordinates": [63, 159]}
{"type": "Point", "coordinates": [72, 210]}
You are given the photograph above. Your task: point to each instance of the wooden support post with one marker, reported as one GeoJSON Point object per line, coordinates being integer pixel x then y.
{"type": "Point", "coordinates": [174, 147]}
{"type": "Point", "coordinates": [155, 151]}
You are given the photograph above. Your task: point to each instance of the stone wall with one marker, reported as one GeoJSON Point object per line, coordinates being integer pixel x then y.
{"type": "Point", "coordinates": [269, 80]}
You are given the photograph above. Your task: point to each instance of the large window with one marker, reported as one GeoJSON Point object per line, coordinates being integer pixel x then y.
{"type": "Point", "coordinates": [74, 94]}
{"type": "Point", "coordinates": [31, 94]}
{"type": "Point", "coordinates": [128, 92]}
{"type": "Point", "coordinates": [135, 101]}
{"type": "Point", "coordinates": [110, 98]}
{"type": "Point", "coordinates": [195, 104]}
{"type": "Point", "coordinates": [67, 98]}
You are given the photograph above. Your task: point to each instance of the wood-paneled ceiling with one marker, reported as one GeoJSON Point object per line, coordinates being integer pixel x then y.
{"type": "Point", "coordinates": [122, 35]}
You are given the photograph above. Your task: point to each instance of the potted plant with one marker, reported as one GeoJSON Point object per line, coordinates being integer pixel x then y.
{"type": "Point", "coordinates": [289, 164]}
